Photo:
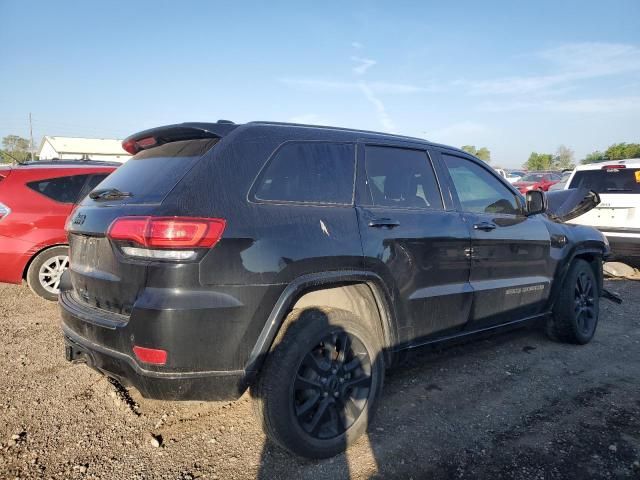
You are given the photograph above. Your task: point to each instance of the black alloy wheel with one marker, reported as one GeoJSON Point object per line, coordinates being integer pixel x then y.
{"type": "Point", "coordinates": [584, 304]}
{"type": "Point", "coordinates": [332, 384]}
{"type": "Point", "coordinates": [575, 313]}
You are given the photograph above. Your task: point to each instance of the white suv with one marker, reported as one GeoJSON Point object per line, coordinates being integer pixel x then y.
{"type": "Point", "coordinates": [618, 215]}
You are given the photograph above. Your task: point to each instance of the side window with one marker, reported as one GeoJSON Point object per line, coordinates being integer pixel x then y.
{"type": "Point", "coordinates": [399, 177]}
{"type": "Point", "coordinates": [478, 190]}
{"type": "Point", "coordinates": [61, 189]}
{"type": "Point", "coordinates": [311, 172]}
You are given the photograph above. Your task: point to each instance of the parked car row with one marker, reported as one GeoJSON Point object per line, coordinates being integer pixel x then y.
{"type": "Point", "coordinates": [511, 176]}
{"type": "Point", "coordinates": [537, 181]}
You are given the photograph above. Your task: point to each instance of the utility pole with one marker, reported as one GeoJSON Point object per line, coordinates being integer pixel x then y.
{"type": "Point", "coordinates": [33, 157]}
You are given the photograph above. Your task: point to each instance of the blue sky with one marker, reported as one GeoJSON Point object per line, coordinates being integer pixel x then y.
{"type": "Point", "coordinates": [512, 76]}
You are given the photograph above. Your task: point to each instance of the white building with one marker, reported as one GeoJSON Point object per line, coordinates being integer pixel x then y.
{"type": "Point", "coordinates": [73, 148]}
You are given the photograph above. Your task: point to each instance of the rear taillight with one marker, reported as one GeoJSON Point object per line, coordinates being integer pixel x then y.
{"type": "Point", "coordinates": [4, 210]}
{"type": "Point", "coordinates": [614, 167]}
{"type": "Point", "coordinates": [165, 238]}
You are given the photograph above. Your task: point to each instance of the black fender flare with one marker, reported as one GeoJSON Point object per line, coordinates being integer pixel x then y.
{"type": "Point", "coordinates": [563, 270]}
{"type": "Point", "coordinates": [304, 283]}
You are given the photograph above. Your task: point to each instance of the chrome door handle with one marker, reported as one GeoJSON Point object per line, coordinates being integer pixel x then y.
{"type": "Point", "coordinates": [384, 222]}
{"type": "Point", "coordinates": [484, 226]}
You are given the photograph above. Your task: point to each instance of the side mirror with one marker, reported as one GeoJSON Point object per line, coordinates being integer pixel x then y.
{"type": "Point", "coordinates": [536, 202]}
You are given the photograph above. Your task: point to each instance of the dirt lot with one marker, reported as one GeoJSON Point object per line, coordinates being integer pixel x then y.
{"type": "Point", "coordinates": [513, 406]}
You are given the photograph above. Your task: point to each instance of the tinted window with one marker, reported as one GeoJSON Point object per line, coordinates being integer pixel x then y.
{"type": "Point", "coordinates": [151, 174]}
{"type": "Point", "coordinates": [478, 190]}
{"type": "Point", "coordinates": [94, 181]}
{"type": "Point", "coordinates": [399, 177]}
{"type": "Point", "coordinates": [309, 172]}
{"type": "Point", "coordinates": [61, 189]}
{"type": "Point", "coordinates": [623, 180]}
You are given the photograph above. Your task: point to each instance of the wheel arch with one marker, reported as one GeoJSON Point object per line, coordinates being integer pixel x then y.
{"type": "Point", "coordinates": [360, 292]}
{"type": "Point", "coordinates": [593, 256]}
{"type": "Point", "coordinates": [38, 252]}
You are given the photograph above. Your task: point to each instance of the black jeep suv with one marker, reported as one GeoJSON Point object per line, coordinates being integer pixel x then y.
{"type": "Point", "coordinates": [300, 261]}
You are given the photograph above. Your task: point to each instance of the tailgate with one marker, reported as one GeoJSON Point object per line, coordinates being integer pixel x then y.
{"type": "Point", "coordinates": [100, 276]}
{"type": "Point", "coordinates": [614, 211]}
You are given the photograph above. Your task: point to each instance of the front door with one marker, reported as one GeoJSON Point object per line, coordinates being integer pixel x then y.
{"type": "Point", "coordinates": [510, 270]}
{"type": "Point", "coordinates": [413, 242]}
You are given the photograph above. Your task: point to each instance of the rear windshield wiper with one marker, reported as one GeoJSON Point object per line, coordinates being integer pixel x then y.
{"type": "Point", "coordinates": [108, 194]}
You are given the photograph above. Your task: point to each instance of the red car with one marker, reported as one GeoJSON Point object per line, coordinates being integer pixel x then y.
{"type": "Point", "coordinates": [35, 200]}
{"type": "Point", "coordinates": [537, 181]}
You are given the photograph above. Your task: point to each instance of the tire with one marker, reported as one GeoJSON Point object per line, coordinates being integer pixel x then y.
{"type": "Point", "coordinates": [575, 314]}
{"type": "Point", "coordinates": [43, 274]}
{"type": "Point", "coordinates": [313, 399]}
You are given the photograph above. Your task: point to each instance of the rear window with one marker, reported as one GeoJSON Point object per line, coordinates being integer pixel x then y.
{"type": "Point", "coordinates": [151, 174]}
{"type": "Point", "coordinates": [61, 189]}
{"type": "Point", "coordinates": [309, 172]}
{"type": "Point", "coordinates": [622, 180]}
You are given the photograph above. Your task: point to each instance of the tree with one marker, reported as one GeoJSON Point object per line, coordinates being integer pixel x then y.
{"type": "Point", "coordinates": [563, 158]}
{"type": "Point", "coordinates": [16, 147]}
{"type": "Point", "coordinates": [619, 151]}
{"type": "Point", "coordinates": [593, 157]}
{"type": "Point", "coordinates": [539, 161]}
{"type": "Point", "coordinates": [483, 153]}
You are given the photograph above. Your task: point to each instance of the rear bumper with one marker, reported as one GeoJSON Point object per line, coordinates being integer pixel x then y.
{"type": "Point", "coordinates": [623, 246]}
{"type": "Point", "coordinates": [152, 384]}
{"type": "Point", "coordinates": [14, 256]}
{"type": "Point", "coordinates": [207, 337]}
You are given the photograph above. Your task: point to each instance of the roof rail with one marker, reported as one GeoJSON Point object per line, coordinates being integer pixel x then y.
{"type": "Point", "coordinates": [68, 161]}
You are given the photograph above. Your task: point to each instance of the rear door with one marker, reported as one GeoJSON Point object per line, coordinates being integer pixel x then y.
{"type": "Point", "coordinates": [510, 267]}
{"type": "Point", "coordinates": [413, 240]}
{"type": "Point", "coordinates": [101, 276]}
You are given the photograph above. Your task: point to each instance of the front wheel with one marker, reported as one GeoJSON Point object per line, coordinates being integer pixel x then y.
{"type": "Point", "coordinates": [45, 270]}
{"type": "Point", "coordinates": [317, 391]}
{"type": "Point", "coordinates": [575, 315]}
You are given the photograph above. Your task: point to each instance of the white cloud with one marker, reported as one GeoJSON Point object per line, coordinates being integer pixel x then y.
{"type": "Point", "coordinates": [308, 119]}
{"type": "Point", "coordinates": [381, 111]}
{"type": "Point", "coordinates": [364, 64]}
{"type": "Point", "coordinates": [583, 105]}
{"type": "Point", "coordinates": [356, 45]}
{"type": "Point", "coordinates": [570, 63]}
{"type": "Point", "coordinates": [590, 59]}
{"type": "Point", "coordinates": [510, 85]}
{"type": "Point", "coordinates": [316, 84]}
{"type": "Point", "coordinates": [457, 133]}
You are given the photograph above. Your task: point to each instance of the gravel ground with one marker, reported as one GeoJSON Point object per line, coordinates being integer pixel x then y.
{"type": "Point", "coordinates": [513, 406]}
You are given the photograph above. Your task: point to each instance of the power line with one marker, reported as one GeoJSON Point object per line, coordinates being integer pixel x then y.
{"type": "Point", "coordinates": [33, 156]}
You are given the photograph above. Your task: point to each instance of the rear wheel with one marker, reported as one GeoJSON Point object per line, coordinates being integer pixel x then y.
{"type": "Point", "coordinates": [575, 315]}
{"type": "Point", "coordinates": [45, 270]}
{"type": "Point", "coordinates": [318, 388]}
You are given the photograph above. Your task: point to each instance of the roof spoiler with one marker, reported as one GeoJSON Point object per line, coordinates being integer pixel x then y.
{"type": "Point", "coordinates": [174, 133]}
